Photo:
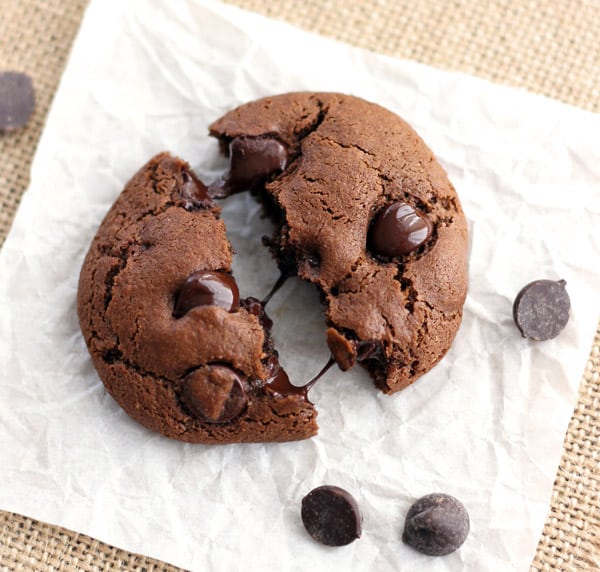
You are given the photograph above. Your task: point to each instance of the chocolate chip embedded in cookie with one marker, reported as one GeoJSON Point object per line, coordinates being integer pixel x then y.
{"type": "Point", "coordinates": [162, 318]}
{"type": "Point", "coordinates": [365, 212]}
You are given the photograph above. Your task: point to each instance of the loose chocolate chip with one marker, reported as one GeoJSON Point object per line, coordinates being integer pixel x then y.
{"type": "Point", "coordinates": [398, 230]}
{"type": "Point", "coordinates": [193, 192]}
{"type": "Point", "coordinates": [214, 393]}
{"type": "Point", "coordinates": [206, 288]}
{"type": "Point", "coordinates": [17, 100]}
{"type": "Point", "coordinates": [252, 160]}
{"type": "Point", "coordinates": [436, 524]}
{"type": "Point", "coordinates": [331, 516]}
{"type": "Point", "coordinates": [541, 309]}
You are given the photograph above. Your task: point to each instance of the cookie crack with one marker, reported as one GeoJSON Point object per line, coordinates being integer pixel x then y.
{"type": "Point", "coordinates": [303, 133]}
{"type": "Point", "coordinates": [113, 273]}
{"type": "Point", "coordinates": [354, 146]}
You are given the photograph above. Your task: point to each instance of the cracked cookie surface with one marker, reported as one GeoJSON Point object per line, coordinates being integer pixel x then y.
{"type": "Point", "coordinates": [347, 161]}
{"type": "Point", "coordinates": [196, 369]}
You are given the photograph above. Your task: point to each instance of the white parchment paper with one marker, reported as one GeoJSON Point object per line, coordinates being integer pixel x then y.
{"type": "Point", "coordinates": [486, 425]}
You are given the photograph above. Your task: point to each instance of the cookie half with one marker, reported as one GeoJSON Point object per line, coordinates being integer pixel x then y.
{"type": "Point", "coordinates": [365, 212]}
{"type": "Point", "coordinates": [161, 316]}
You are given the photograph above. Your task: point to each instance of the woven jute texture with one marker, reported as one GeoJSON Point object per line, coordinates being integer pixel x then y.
{"type": "Point", "coordinates": [548, 47]}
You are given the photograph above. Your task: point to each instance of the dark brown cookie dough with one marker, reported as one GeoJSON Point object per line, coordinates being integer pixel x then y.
{"type": "Point", "coordinates": [164, 325]}
{"type": "Point", "coordinates": [367, 214]}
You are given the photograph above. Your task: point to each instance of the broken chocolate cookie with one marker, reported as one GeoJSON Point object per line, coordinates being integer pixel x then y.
{"type": "Point", "coordinates": [363, 211]}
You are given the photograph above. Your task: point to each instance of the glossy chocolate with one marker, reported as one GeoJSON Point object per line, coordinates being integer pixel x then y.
{"type": "Point", "coordinates": [331, 516]}
{"type": "Point", "coordinates": [214, 393]}
{"type": "Point", "coordinates": [541, 309]}
{"type": "Point", "coordinates": [279, 382]}
{"type": "Point", "coordinates": [193, 192]}
{"type": "Point", "coordinates": [256, 307]}
{"type": "Point", "coordinates": [252, 161]}
{"type": "Point", "coordinates": [369, 350]}
{"type": "Point", "coordinates": [280, 282]}
{"type": "Point", "coordinates": [347, 352]}
{"type": "Point", "coordinates": [436, 524]}
{"type": "Point", "coordinates": [398, 230]}
{"type": "Point", "coordinates": [207, 288]}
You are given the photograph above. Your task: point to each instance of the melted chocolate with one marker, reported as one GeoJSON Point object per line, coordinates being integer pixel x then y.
{"type": "Point", "coordinates": [280, 282]}
{"type": "Point", "coordinates": [279, 382]}
{"type": "Point", "coordinates": [398, 230]}
{"type": "Point", "coordinates": [347, 352]}
{"type": "Point", "coordinates": [369, 350]}
{"type": "Point", "coordinates": [214, 393]}
{"type": "Point", "coordinates": [193, 192]}
{"type": "Point", "coordinates": [256, 307]}
{"type": "Point", "coordinates": [252, 161]}
{"type": "Point", "coordinates": [206, 288]}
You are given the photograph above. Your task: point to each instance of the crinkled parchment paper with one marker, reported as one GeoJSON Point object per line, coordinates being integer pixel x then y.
{"type": "Point", "coordinates": [486, 425]}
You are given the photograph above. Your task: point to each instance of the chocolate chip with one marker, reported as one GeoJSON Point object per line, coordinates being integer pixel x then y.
{"type": "Point", "coordinates": [206, 288]}
{"type": "Point", "coordinates": [331, 516]}
{"type": "Point", "coordinates": [17, 100]}
{"type": "Point", "coordinates": [398, 230]}
{"type": "Point", "coordinates": [436, 524]}
{"type": "Point", "coordinates": [252, 161]}
{"type": "Point", "coordinates": [214, 393]}
{"type": "Point", "coordinates": [193, 192]}
{"type": "Point", "coordinates": [541, 309]}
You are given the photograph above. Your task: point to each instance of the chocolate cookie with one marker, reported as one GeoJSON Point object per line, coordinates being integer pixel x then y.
{"type": "Point", "coordinates": [167, 332]}
{"type": "Point", "coordinates": [365, 212]}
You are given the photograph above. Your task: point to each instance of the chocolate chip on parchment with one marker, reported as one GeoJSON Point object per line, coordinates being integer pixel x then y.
{"type": "Point", "coordinates": [331, 516]}
{"type": "Point", "coordinates": [17, 100]}
{"type": "Point", "coordinates": [436, 524]}
{"type": "Point", "coordinates": [541, 309]}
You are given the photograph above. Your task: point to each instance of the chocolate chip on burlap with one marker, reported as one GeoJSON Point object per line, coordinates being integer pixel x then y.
{"type": "Point", "coordinates": [17, 100]}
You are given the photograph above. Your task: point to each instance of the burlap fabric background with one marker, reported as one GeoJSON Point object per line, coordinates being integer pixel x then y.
{"type": "Point", "coordinates": [549, 47]}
